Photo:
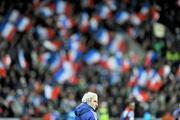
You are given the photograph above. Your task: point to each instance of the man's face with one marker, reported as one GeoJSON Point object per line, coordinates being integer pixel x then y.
{"type": "Point", "coordinates": [94, 103]}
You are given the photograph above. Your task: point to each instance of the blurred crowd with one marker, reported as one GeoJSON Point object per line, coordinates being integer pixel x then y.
{"type": "Point", "coordinates": [52, 51]}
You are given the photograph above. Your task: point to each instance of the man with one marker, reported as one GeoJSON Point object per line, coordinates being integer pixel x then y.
{"type": "Point", "coordinates": [86, 110]}
{"type": "Point", "coordinates": [128, 113]}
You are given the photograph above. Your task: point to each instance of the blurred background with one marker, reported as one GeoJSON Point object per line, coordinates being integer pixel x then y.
{"type": "Point", "coordinates": [53, 51]}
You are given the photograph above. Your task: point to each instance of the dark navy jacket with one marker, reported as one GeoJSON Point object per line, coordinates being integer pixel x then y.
{"type": "Point", "coordinates": [85, 112]}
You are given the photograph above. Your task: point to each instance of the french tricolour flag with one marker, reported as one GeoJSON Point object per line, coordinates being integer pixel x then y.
{"type": "Point", "coordinates": [92, 56]}
{"type": "Point", "coordinates": [52, 45]}
{"type": "Point", "coordinates": [46, 11]}
{"type": "Point", "coordinates": [65, 22]}
{"type": "Point", "coordinates": [155, 82]}
{"type": "Point", "coordinates": [22, 61]}
{"type": "Point", "coordinates": [121, 17]}
{"type": "Point", "coordinates": [64, 73]}
{"type": "Point", "coordinates": [23, 24]}
{"type": "Point", "coordinates": [84, 22]}
{"type": "Point", "coordinates": [94, 23]}
{"type": "Point", "coordinates": [87, 3]}
{"type": "Point", "coordinates": [2, 70]}
{"type": "Point", "coordinates": [44, 33]}
{"type": "Point", "coordinates": [63, 7]}
{"type": "Point", "coordinates": [150, 57]}
{"type": "Point", "coordinates": [117, 44]}
{"type": "Point", "coordinates": [140, 95]}
{"type": "Point", "coordinates": [14, 15]}
{"type": "Point", "coordinates": [104, 12]}
{"type": "Point", "coordinates": [56, 62]}
{"type": "Point", "coordinates": [114, 62]}
{"type": "Point", "coordinates": [51, 92]}
{"type": "Point", "coordinates": [103, 36]}
{"type": "Point", "coordinates": [8, 31]}
{"type": "Point", "coordinates": [6, 60]}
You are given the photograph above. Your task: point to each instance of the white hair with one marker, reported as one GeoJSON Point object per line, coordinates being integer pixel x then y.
{"type": "Point", "coordinates": [88, 96]}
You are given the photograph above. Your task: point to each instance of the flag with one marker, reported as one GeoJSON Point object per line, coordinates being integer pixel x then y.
{"type": "Point", "coordinates": [117, 44]}
{"type": "Point", "coordinates": [46, 11]}
{"type": "Point", "coordinates": [75, 47]}
{"type": "Point", "coordinates": [22, 60]}
{"type": "Point", "coordinates": [104, 12]}
{"type": "Point", "coordinates": [94, 23]}
{"type": "Point", "coordinates": [155, 82]}
{"type": "Point", "coordinates": [65, 22]}
{"type": "Point", "coordinates": [121, 17]}
{"type": "Point", "coordinates": [44, 58]}
{"type": "Point", "coordinates": [140, 95]}
{"type": "Point", "coordinates": [6, 60]}
{"type": "Point", "coordinates": [112, 4]}
{"type": "Point", "coordinates": [138, 77]}
{"type": "Point", "coordinates": [56, 62]}
{"type": "Point", "coordinates": [144, 9]}
{"type": "Point", "coordinates": [8, 31]}
{"type": "Point", "coordinates": [23, 24]}
{"type": "Point", "coordinates": [51, 92]}
{"type": "Point", "coordinates": [64, 73]}
{"type": "Point", "coordinates": [150, 57]}
{"type": "Point", "coordinates": [44, 32]}
{"type": "Point", "coordinates": [55, 93]}
{"type": "Point", "coordinates": [114, 62]}
{"type": "Point", "coordinates": [2, 70]}
{"type": "Point", "coordinates": [63, 7]}
{"type": "Point", "coordinates": [92, 56]}
{"type": "Point", "coordinates": [52, 45]}
{"type": "Point", "coordinates": [164, 71]}
{"type": "Point", "coordinates": [14, 15]}
{"type": "Point", "coordinates": [103, 36]}
{"type": "Point", "coordinates": [84, 22]}
{"type": "Point", "coordinates": [87, 3]}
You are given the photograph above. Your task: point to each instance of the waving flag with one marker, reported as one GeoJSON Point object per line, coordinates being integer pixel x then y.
{"type": "Point", "coordinates": [117, 44]}
{"type": "Point", "coordinates": [112, 4]}
{"type": "Point", "coordinates": [22, 61]}
{"type": "Point", "coordinates": [56, 62]}
{"type": "Point", "coordinates": [140, 95]}
{"type": "Point", "coordinates": [155, 82]}
{"type": "Point", "coordinates": [121, 17]}
{"type": "Point", "coordinates": [8, 31]}
{"type": "Point", "coordinates": [65, 22]}
{"type": "Point", "coordinates": [44, 32]}
{"type": "Point", "coordinates": [51, 92]}
{"type": "Point", "coordinates": [104, 12]}
{"type": "Point", "coordinates": [65, 72]}
{"type": "Point", "coordinates": [94, 23]}
{"type": "Point", "coordinates": [92, 56]}
{"type": "Point", "coordinates": [114, 62]}
{"type": "Point", "coordinates": [52, 45]}
{"type": "Point", "coordinates": [84, 22]}
{"type": "Point", "coordinates": [23, 24]}
{"type": "Point", "coordinates": [75, 47]}
{"type": "Point", "coordinates": [46, 11]}
{"type": "Point", "coordinates": [150, 57]}
{"type": "Point", "coordinates": [145, 9]}
{"type": "Point", "coordinates": [63, 7]}
{"type": "Point", "coordinates": [103, 36]}
{"type": "Point", "coordinates": [6, 60]}
{"type": "Point", "coordinates": [139, 77]}
{"type": "Point", "coordinates": [14, 15]}
{"type": "Point", "coordinates": [164, 71]}
{"type": "Point", "coordinates": [44, 58]}
{"type": "Point", "coordinates": [87, 3]}
{"type": "Point", "coordinates": [2, 70]}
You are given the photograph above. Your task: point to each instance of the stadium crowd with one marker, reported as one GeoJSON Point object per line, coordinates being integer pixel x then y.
{"type": "Point", "coordinates": [52, 51]}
